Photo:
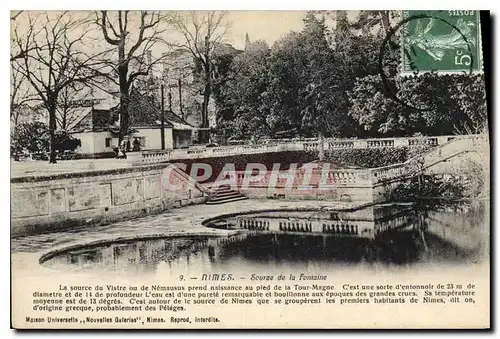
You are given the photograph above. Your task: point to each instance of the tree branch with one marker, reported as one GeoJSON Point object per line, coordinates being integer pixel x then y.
{"type": "Point", "coordinates": [103, 25]}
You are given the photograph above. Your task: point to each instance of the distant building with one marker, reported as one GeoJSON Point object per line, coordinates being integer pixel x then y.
{"type": "Point", "coordinates": [99, 129]}
{"type": "Point", "coordinates": [182, 92]}
{"type": "Point", "coordinates": [184, 84]}
{"type": "Point", "coordinates": [247, 42]}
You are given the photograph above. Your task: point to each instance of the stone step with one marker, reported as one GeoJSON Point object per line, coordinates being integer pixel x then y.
{"type": "Point", "coordinates": [235, 195]}
{"type": "Point", "coordinates": [224, 201]}
{"type": "Point", "coordinates": [225, 194]}
{"type": "Point", "coordinates": [222, 189]}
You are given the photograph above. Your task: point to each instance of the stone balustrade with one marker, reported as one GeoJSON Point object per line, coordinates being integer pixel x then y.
{"type": "Point", "coordinates": [313, 183]}
{"type": "Point", "coordinates": [314, 177]}
{"type": "Point", "coordinates": [146, 157]}
{"type": "Point", "coordinates": [390, 172]}
{"type": "Point", "coordinates": [330, 144]}
{"type": "Point", "coordinates": [285, 145]}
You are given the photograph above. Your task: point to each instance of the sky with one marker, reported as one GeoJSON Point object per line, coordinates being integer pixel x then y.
{"type": "Point", "coordinates": [259, 25]}
{"type": "Point", "coordinates": [266, 25]}
{"type": "Point", "coordinates": [262, 25]}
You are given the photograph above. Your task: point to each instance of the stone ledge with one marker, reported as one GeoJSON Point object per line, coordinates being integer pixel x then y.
{"type": "Point", "coordinates": [92, 173]}
{"type": "Point", "coordinates": [119, 239]}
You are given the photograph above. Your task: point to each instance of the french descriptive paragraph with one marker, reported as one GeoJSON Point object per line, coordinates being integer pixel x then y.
{"type": "Point", "coordinates": [175, 301]}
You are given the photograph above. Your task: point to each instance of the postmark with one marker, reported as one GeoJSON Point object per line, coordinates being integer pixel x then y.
{"type": "Point", "coordinates": [444, 42]}
{"type": "Point", "coordinates": [406, 50]}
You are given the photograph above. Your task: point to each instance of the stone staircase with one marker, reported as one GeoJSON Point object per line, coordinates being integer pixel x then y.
{"type": "Point", "coordinates": [224, 194]}
{"type": "Point", "coordinates": [456, 154]}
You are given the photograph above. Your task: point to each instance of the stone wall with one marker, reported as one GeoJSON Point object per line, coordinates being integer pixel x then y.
{"type": "Point", "coordinates": [40, 204]}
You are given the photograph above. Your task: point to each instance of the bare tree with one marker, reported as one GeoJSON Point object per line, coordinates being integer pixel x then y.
{"type": "Point", "coordinates": [21, 43]}
{"type": "Point", "coordinates": [133, 35]}
{"type": "Point", "coordinates": [71, 101]}
{"type": "Point", "coordinates": [52, 55]}
{"type": "Point", "coordinates": [202, 32]}
{"type": "Point", "coordinates": [14, 15]}
{"type": "Point", "coordinates": [19, 88]}
{"type": "Point", "coordinates": [20, 93]}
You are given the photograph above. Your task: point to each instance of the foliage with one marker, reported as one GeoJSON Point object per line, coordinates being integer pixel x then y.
{"type": "Point", "coordinates": [294, 86]}
{"type": "Point", "coordinates": [241, 99]}
{"type": "Point", "coordinates": [367, 158]}
{"type": "Point", "coordinates": [435, 105]}
{"type": "Point", "coordinates": [310, 84]}
{"type": "Point", "coordinates": [30, 137]}
{"type": "Point", "coordinates": [328, 80]}
{"type": "Point", "coordinates": [430, 192]}
{"type": "Point", "coordinates": [33, 137]}
{"type": "Point", "coordinates": [66, 142]}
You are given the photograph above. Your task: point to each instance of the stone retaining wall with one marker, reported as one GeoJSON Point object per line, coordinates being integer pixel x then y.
{"type": "Point", "coordinates": [97, 198]}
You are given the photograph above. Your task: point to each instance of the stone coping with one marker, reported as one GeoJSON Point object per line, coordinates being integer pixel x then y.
{"type": "Point", "coordinates": [91, 173]}
{"type": "Point", "coordinates": [122, 239]}
{"type": "Point", "coordinates": [293, 209]}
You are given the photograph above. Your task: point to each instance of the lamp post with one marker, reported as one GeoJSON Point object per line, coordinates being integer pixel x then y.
{"type": "Point", "coordinates": [162, 117]}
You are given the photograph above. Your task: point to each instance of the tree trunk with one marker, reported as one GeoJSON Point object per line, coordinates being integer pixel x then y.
{"type": "Point", "coordinates": [207, 91]}
{"type": "Point", "coordinates": [321, 146]}
{"type": "Point", "coordinates": [124, 116]}
{"type": "Point", "coordinates": [64, 118]}
{"type": "Point", "coordinates": [385, 21]}
{"type": "Point", "coordinates": [204, 108]}
{"type": "Point", "coordinates": [162, 117]}
{"type": "Point", "coordinates": [205, 135]}
{"type": "Point", "coordinates": [124, 91]}
{"type": "Point", "coordinates": [52, 127]}
{"type": "Point", "coordinates": [180, 98]}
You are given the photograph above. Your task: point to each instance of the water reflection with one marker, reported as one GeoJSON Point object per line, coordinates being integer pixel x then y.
{"type": "Point", "coordinates": [396, 235]}
{"type": "Point", "coordinates": [369, 222]}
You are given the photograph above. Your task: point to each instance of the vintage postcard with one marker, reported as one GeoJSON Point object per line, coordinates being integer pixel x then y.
{"type": "Point", "coordinates": [249, 169]}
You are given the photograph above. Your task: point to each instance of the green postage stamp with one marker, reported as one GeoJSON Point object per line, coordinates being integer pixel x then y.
{"type": "Point", "coordinates": [441, 41]}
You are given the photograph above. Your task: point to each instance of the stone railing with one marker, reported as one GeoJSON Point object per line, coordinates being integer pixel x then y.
{"type": "Point", "coordinates": [336, 184]}
{"type": "Point", "coordinates": [355, 179]}
{"type": "Point", "coordinates": [448, 147]}
{"type": "Point", "coordinates": [146, 157]}
{"type": "Point", "coordinates": [315, 178]}
{"type": "Point", "coordinates": [150, 157]}
{"type": "Point", "coordinates": [451, 149]}
{"type": "Point", "coordinates": [284, 145]}
{"type": "Point", "coordinates": [313, 145]}
{"type": "Point", "coordinates": [390, 172]}
{"type": "Point", "coordinates": [274, 141]}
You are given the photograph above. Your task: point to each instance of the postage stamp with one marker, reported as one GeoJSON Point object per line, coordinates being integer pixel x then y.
{"type": "Point", "coordinates": [441, 41]}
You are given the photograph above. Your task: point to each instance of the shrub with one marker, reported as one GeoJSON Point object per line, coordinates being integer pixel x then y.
{"type": "Point", "coordinates": [367, 157]}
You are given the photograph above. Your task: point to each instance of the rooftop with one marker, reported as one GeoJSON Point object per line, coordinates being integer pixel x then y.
{"type": "Point", "coordinates": [143, 113]}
